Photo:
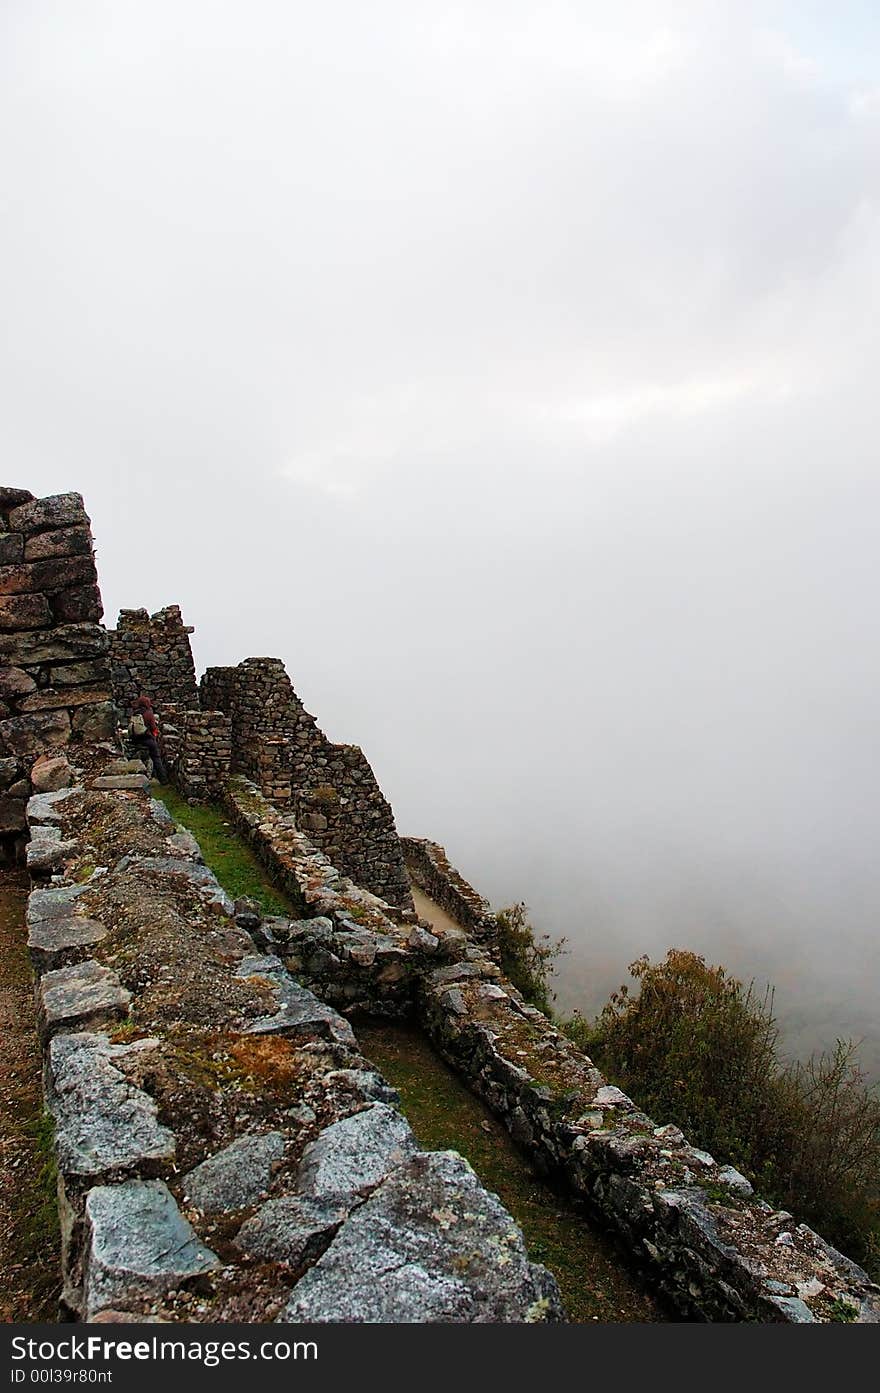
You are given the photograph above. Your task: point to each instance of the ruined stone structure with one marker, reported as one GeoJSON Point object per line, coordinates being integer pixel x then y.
{"type": "Point", "coordinates": [330, 789]}
{"type": "Point", "coordinates": [280, 1147]}
{"type": "Point", "coordinates": [54, 671]}
{"type": "Point", "coordinates": [152, 654]}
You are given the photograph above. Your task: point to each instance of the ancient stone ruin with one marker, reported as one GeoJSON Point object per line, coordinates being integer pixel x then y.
{"type": "Point", "coordinates": [224, 1150]}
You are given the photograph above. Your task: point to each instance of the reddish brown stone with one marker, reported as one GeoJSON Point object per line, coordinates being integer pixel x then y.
{"type": "Point", "coordinates": [14, 683]}
{"type": "Point", "coordinates": [83, 603]}
{"type": "Point", "coordinates": [24, 612]}
{"type": "Point", "coordinates": [50, 576]}
{"type": "Point", "coordinates": [11, 548]}
{"type": "Point", "coordinates": [36, 733]}
{"type": "Point", "coordinates": [12, 818]}
{"type": "Point", "coordinates": [13, 498]}
{"type": "Point", "coordinates": [67, 541]}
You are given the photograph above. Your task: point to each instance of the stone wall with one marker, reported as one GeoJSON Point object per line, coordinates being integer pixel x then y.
{"type": "Point", "coordinates": [202, 758]}
{"type": "Point", "coordinates": [430, 868]}
{"type": "Point", "coordinates": [331, 789]}
{"type": "Point", "coordinates": [224, 1151]}
{"type": "Point", "coordinates": [690, 1223]}
{"type": "Point", "coordinates": [151, 655]}
{"type": "Point", "coordinates": [54, 671]}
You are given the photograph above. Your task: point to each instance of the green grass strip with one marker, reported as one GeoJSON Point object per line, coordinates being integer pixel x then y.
{"type": "Point", "coordinates": [231, 859]}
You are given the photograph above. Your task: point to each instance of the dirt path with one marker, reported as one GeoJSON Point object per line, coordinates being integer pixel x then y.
{"type": "Point", "coordinates": [29, 1256]}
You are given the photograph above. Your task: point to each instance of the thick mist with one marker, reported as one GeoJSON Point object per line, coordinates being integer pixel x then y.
{"type": "Point", "coordinates": [510, 371]}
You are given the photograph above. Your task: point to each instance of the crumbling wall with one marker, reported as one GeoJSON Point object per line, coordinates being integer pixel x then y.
{"type": "Point", "coordinates": [331, 789]}
{"type": "Point", "coordinates": [202, 759]}
{"type": "Point", "coordinates": [151, 654]}
{"type": "Point", "coordinates": [689, 1222]}
{"type": "Point", "coordinates": [224, 1151]}
{"type": "Point", "coordinates": [54, 671]}
{"type": "Point", "coordinates": [430, 868]}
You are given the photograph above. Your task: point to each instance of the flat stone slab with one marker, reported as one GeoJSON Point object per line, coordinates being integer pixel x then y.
{"type": "Point", "coordinates": [299, 1011]}
{"type": "Point", "coordinates": [237, 1176]}
{"type": "Point", "coordinates": [104, 1125]}
{"type": "Point", "coordinates": [43, 807]}
{"type": "Point", "coordinates": [352, 1156]}
{"type": "Point", "coordinates": [123, 766]}
{"type": "Point", "coordinates": [81, 994]}
{"type": "Point", "coordinates": [292, 1229]}
{"type": "Point", "coordinates": [201, 878]}
{"type": "Point", "coordinates": [185, 844]}
{"type": "Point", "coordinates": [123, 782]}
{"type": "Point", "coordinates": [430, 1244]}
{"type": "Point", "coordinates": [138, 1246]}
{"type": "Point", "coordinates": [48, 853]}
{"type": "Point", "coordinates": [53, 903]}
{"type": "Point", "coordinates": [53, 942]}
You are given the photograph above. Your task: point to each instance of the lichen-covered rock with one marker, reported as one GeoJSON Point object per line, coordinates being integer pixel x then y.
{"type": "Point", "coordinates": [104, 1125]}
{"type": "Point", "coordinates": [292, 1229]}
{"type": "Point", "coordinates": [81, 994]}
{"type": "Point", "coordinates": [430, 1244]}
{"type": "Point", "coordinates": [237, 1176]}
{"type": "Point", "coordinates": [138, 1246]}
{"type": "Point", "coordinates": [352, 1156]}
{"type": "Point", "coordinates": [51, 773]}
{"type": "Point", "coordinates": [55, 942]}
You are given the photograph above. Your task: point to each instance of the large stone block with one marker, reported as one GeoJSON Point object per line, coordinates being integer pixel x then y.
{"type": "Point", "coordinates": [83, 994]}
{"type": "Point", "coordinates": [45, 514]}
{"type": "Point", "coordinates": [67, 643]}
{"type": "Point", "coordinates": [59, 573]}
{"type": "Point", "coordinates": [67, 541]}
{"type": "Point", "coordinates": [15, 684]}
{"type": "Point", "coordinates": [351, 1157]}
{"type": "Point", "coordinates": [48, 699]}
{"type": "Point", "coordinates": [237, 1176]}
{"type": "Point", "coordinates": [54, 943]}
{"type": "Point", "coordinates": [104, 1126]}
{"type": "Point", "coordinates": [138, 1247]}
{"type": "Point", "coordinates": [95, 673]}
{"type": "Point", "coordinates": [24, 612]}
{"type": "Point", "coordinates": [31, 735]}
{"type": "Point", "coordinates": [291, 1229]}
{"type": "Point", "coordinates": [81, 603]}
{"type": "Point", "coordinates": [429, 1245]}
{"type": "Point", "coordinates": [50, 773]}
{"type": "Point", "coordinates": [94, 723]}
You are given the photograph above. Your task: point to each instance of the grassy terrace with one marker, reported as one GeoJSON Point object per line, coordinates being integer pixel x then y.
{"type": "Point", "coordinates": [443, 1113]}
{"type": "Point", "coordinates": [231, 859]}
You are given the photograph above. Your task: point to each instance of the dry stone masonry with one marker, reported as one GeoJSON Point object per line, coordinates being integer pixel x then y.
{"type": "Point", "coordinates": [224, 1151]}
{"type": "Point", "coordinates": [330, 789]}
{"type": "Point", "coordinates": [55, 686]}
{"type": "Point", "coordinates": [689, 1222]}
{"type": "Point", "coordinates": [151, 654]}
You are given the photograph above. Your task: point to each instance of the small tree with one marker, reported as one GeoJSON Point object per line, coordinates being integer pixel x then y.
{"type": "Point", "coordinates": [527, 957]}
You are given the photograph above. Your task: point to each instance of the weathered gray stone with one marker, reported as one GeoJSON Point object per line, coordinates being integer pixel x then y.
{"type": "Point", "coordinates": [429, 1245]}
{"type": "Point", "coordinates": [11, 548]}
{"type": "Point", "coordinates": [51, 773]}
{"type": "Point", "coordinates": [735, 1181]}
{"type": "Point", "coordinates": [185, 844]}
{"type": "Point", "coordinates": [41, 808]}
{"type": "Point", "coordinates": [95, 722]}
{"type": "Point", "coordinates": [42, 514]}
{"type": "Point", "coordinates": [237, 1176]}
{"type": "Point", "coordinates": [104, 1126]}
{"type": "Point", "coordinates": [55, 942]}
{"type": "Point", "coordinates": [293, 1229]}
{"type": "Point", "coordinates": [66, 541]}
{"type": "Point", "coordinates": [68, 642]}
{"type": "Point", "coordinates": [81, 994]}
{"type": "Point", "coordinates": [136, 783]}
{"type": "Point", "coordinates": [138, 1246]}
{"type": "Point", "coordinates": [55, 903]}
{"type": "Point", "coordinates": [15, 683]}
{"type": "Point", "coordinates": [202, 880]}
{"type": "Point", "coordinates": [77, 604]}
{"type": "Point", "coordinates": [31, 735]}
{"type": "Point", "coordinates": [351, 1157]}
{"type": "Point", "coordinates": [299, 1010]}
{"type": "Point", "coordinates": [49, 577]}
{"type": "Point", "coordinates": [46, 853]}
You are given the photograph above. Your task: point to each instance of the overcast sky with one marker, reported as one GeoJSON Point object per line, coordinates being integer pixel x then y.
{"type": "Point", "coordinates": [510, 370]}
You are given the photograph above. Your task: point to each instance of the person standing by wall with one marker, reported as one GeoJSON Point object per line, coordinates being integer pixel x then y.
{"type": "Point", "coordinates": [144, 731]}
